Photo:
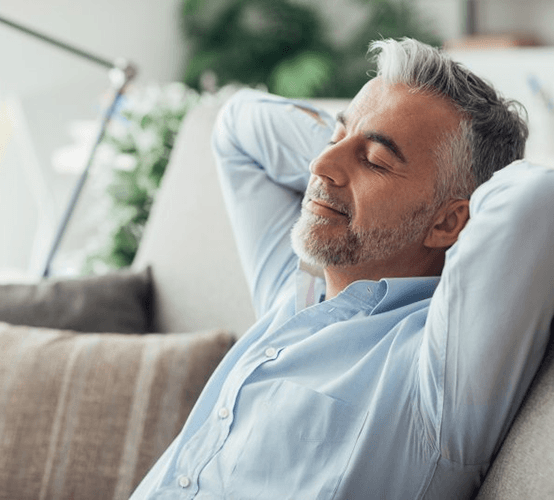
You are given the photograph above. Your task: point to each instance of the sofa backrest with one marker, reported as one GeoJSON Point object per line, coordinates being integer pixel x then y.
{"type": "Point", "coordinates": [524, 467]}
{"type": "Point", "coordinates": [188, 241]}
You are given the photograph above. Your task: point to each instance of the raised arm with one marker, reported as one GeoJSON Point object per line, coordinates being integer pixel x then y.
{"type": "Point", "coordinates": [263, 146]}
{"type": "Point", "coordinates": [489, 317]}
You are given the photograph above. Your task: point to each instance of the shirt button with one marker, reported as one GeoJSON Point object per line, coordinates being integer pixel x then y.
{"type": "Point", "coordinates": [223, 413]}
{"type": "Point", "coordinates": [270, 352]}
{"type": "Point", "coordinates": [184, 482]}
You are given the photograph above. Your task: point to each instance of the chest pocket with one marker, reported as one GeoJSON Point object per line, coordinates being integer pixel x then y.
{"type": "Point", "coordinates": [298, 447]}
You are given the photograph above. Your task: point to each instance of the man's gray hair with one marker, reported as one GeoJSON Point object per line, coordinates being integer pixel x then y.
{"type": "Point", "coordinates": [492, 132]}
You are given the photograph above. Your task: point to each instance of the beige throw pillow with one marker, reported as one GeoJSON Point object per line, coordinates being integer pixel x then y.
{"type": "Point", "coordinates": [86, 415]}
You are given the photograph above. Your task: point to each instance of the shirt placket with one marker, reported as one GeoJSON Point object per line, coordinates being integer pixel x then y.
{"type": "Point", "coordinates": [205, 445]}
{"type": "Point", "coordinates": [207, 442]}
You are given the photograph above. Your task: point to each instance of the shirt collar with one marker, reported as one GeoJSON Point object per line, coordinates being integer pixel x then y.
{"type": "Point", "coordinates": [404, 291]}
{"type": "Point", "coordinates": [390, 293]}
{"type": "Point", "coordinates": [378, 296]}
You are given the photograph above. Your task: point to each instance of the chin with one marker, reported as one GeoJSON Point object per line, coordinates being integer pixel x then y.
{"type": "Point", "coordinates": [319, 243]}
{"type": "Point", "coordinates": [301, 233]}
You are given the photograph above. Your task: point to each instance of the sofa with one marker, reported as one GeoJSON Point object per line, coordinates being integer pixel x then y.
{"type": "Point", "coordinates": [98, 374]}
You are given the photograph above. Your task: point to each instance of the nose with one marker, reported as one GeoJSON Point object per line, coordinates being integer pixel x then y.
{"type": "Point", "coordinates": [331, 165]}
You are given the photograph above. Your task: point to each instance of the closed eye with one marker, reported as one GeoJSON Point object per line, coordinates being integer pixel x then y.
{"type": "Point", "coordinates": [372, 165]}
{"type": "Point", "coordinates": [364, 160]}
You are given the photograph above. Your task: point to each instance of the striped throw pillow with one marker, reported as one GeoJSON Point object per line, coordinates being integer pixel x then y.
{"type": "Point", "coordinates": [86, 415]}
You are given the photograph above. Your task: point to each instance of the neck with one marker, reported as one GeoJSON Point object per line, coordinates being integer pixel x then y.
{"type": "Point", "coordinates": [337, 278]}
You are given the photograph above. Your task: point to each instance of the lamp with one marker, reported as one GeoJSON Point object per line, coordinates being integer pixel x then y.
{"type": "Point", "coordinates": [121, 72]}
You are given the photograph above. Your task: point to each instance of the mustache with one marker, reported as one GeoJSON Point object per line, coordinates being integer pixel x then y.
{"type": "Point", "coordinates": [318, 192]}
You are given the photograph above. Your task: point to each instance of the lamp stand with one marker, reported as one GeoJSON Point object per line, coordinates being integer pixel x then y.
{"type": "Point", "coordinates": [121, 73]}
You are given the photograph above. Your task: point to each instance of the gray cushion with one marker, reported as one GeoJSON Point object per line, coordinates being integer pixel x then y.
{"type": "Point", "coordinates": [85, 416]}
{"type": "Point", "coordinates": [119, 302]}
{"type": "Point", "coordinates": [524, 467]}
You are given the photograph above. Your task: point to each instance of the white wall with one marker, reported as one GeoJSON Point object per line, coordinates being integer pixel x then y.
{"type": "Point", "coordinates": [146, 31]}
{"type": "Point", "coordinates": [55, 88]}
{"type": "Point", "coordinates": [447, 16]}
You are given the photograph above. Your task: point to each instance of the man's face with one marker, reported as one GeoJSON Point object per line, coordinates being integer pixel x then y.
{"type": "Point", "coordinates": [371, 193]}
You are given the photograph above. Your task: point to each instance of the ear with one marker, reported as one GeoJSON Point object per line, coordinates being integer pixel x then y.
{"type": "Point", "coordinates": [449, 221]}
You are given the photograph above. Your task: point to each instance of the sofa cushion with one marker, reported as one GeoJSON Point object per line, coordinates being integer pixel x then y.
{"type": "Point", "coordinates": [86, 415]}
{"type": "Point", "coordinates": [524, 465]}
{"type": "Point", "coordinates": [119, 302]}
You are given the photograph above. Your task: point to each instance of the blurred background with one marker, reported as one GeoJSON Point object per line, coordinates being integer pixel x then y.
{"type": "Point", "coordinates": [189, 50]}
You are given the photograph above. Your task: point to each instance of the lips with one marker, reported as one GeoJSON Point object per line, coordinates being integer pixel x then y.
{"type": "Point", "coordinates": [326, 205]}
{"type": "Point", "coordinates": [323, 209]}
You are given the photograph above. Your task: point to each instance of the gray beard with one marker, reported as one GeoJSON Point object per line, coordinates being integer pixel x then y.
{"type": "Point", "coordinates": [312, 243]}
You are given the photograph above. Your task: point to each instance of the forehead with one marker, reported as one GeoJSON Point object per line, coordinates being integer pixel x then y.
{"type": "Point", "coordinates": [415, 120]}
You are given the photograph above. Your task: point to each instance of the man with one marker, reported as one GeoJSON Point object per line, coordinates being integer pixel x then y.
{"type": "Point", "coordinates": [395, 343]}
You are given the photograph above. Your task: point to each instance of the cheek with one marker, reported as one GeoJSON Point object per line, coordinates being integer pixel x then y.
{"type": "Point", "coordinates": [373, 206]}
{"type": "Point", "coordinates": [383, 202]}
{"type": "Point", "coordinates": [375, 193]}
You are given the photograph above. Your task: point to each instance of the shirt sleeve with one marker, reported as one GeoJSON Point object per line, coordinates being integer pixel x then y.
{"type": "Point", "coordinates": [489, 318]}
{"type": "Point", "coordinates": [263, 146]}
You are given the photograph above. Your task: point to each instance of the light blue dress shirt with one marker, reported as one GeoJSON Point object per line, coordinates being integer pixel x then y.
{"type": "Point", "coordinates": [397, 389]}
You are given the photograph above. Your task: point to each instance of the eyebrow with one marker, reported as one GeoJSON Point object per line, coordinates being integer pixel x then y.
{"type": "Point", "coordinates": [386, 141]}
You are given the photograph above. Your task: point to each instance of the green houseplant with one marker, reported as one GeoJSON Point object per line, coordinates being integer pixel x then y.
{"type": "Point", "coordinates": [287, 46]}
{"type": "Point", "coordinates": [257, 41]}
{"type": "Point", "coordinates": [135, 154]}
